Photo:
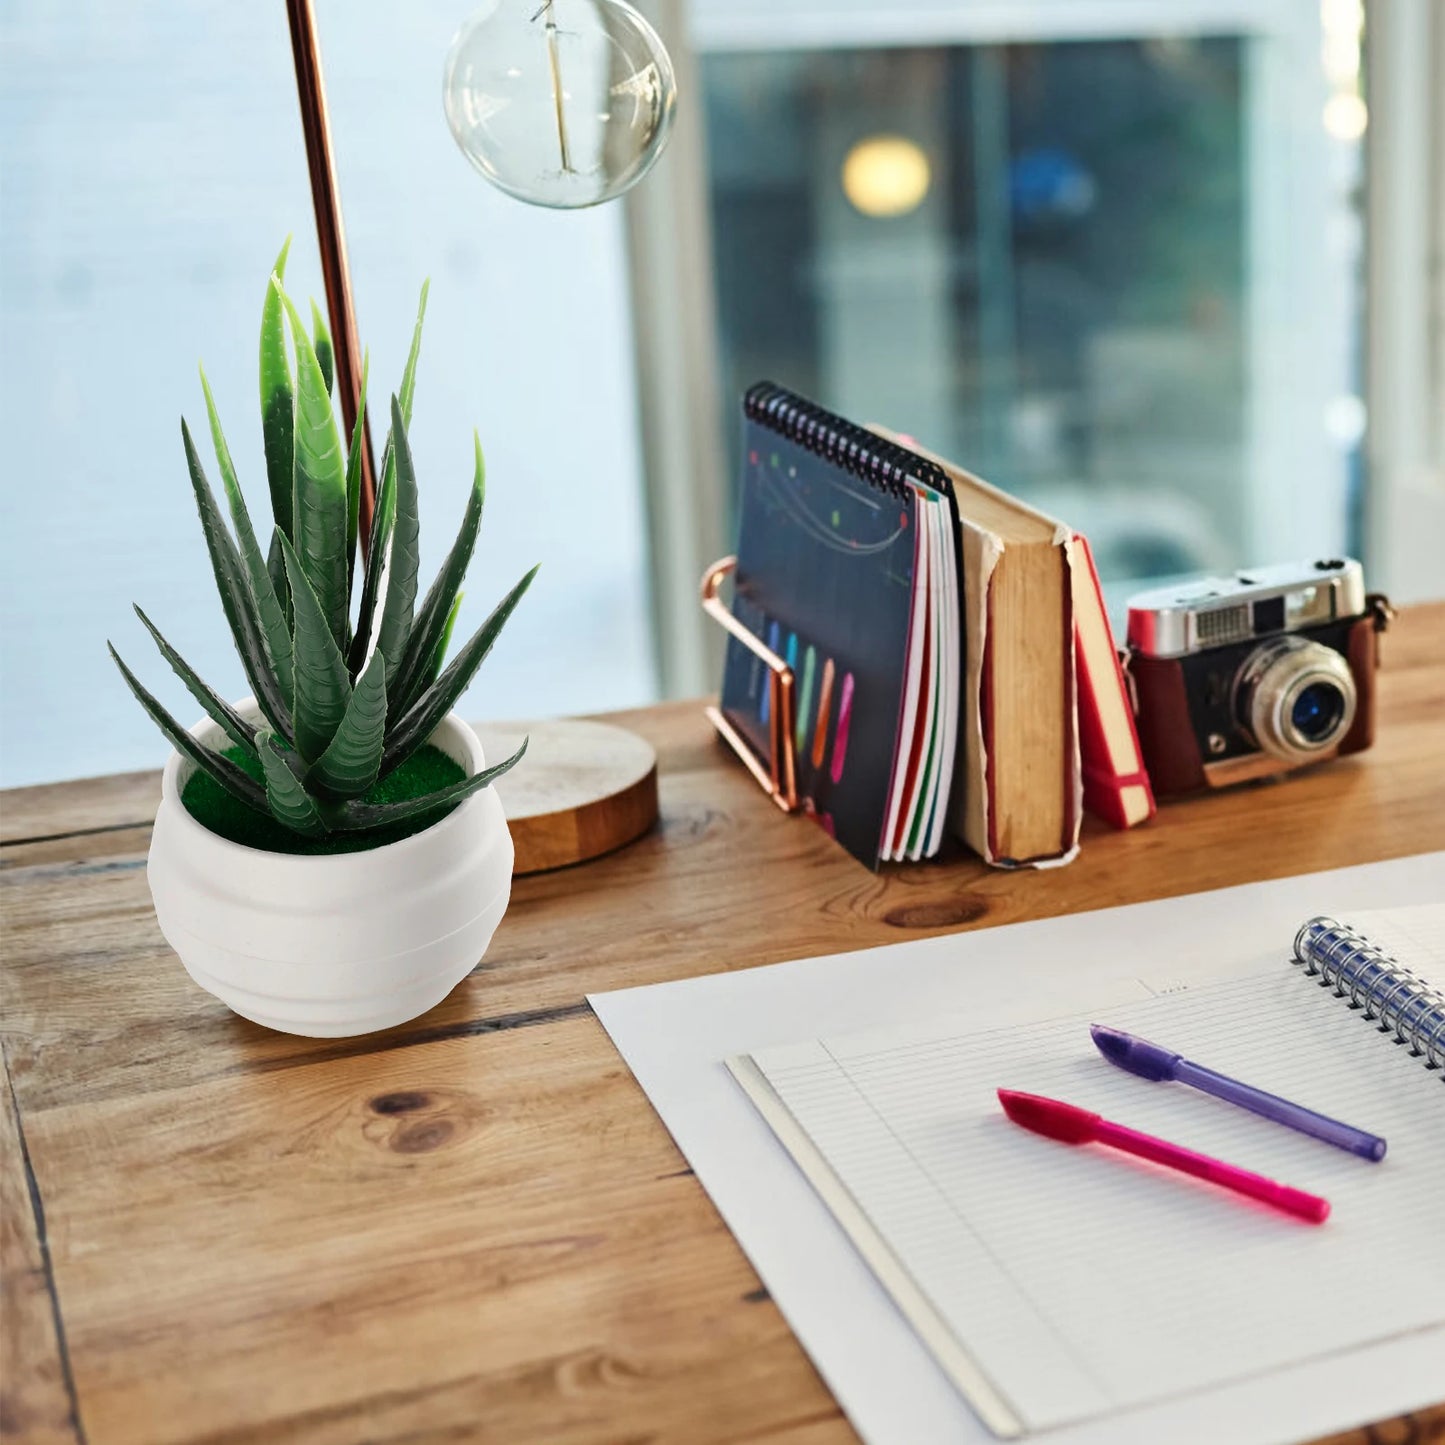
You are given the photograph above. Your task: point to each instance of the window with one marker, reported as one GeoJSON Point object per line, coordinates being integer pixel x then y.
{"type": "Point", "coordinates": [153, 163]}
{"type": "Point", "coordinates": [1105, 257]}
{"type": "Point", "coordinates": [1106, 253]}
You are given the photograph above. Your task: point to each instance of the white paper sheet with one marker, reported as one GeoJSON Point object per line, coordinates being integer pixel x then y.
{"type": "Point", "coordinates": [1079, 1283]}
{"type": "Point", "coordinates": [676, 1037]}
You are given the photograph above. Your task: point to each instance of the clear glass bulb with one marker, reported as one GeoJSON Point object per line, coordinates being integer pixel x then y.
{"type": "Point", "coordinates": [562, 103]}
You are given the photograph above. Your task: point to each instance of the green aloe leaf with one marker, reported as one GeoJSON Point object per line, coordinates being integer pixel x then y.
{"type": "Point", "coordinates": [384, 515]}
{"type": "Point", "coordinates": [235, 598]}
{"type": "Point", "coordinates": [276, 569]}
{"type": "Point", "coordinates": [350, 765]}
{"type": "Point", "coordinates": [353, 816]}
{"type": "Point", "coordinates": [323, 685]}
{"type": "Point", "coordinates": [223, 770]}
{"type": "Point", "coordinates": [408, 379]}
{"type": "Point", "coordinates": [382, 520]}
{"type": "Point", "coordinates": [277, 400]}
{"type": "Point", "coordinates": [290, 804]}
{"type": "Point", "coordinates": [422, 718]}
{"type": "Point", "coordinates": [217, 708]}
{"type": "Point", "coordinates": [321, 345]}
{"type": "Point", "coordinates": [408, 374]}
{"type": "Point", "coordinates": [270, 615]}
{"type": "Point", "coordinates": [439, 657]}
{"type": "Point", "coordinates": [416, 673]}
{"type": "Point", "coordinates": [404, 555]}
{"type": "Point", "coordinates": [353, 477]}
{"type": "Point", "coordinates": [319, 480]}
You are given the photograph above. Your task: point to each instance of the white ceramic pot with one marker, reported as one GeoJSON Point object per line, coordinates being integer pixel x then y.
{"type": "Point", "coordinates": [339, 944]}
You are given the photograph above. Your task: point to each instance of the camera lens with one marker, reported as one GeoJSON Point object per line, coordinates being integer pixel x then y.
{"type": "Point", "coordinates": [1317, 711]}
{"type": "Point", "coordinates": [1295, 697]}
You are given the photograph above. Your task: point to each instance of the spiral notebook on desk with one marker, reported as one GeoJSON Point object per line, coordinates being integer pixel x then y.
{"type": "Point", "coordinates": [1053, 1286]}
{"type": "Point", "coordinates": [848, 569]}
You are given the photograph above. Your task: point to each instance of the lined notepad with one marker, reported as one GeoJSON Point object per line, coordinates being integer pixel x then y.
{"type": "Point", "coordinates": [1056, 1283]}
{"type": "Point", "coordinates": [1416, 936]}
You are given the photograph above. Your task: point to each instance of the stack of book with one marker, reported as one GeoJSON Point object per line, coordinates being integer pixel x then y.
{"type": "Point", "coordinates": [952, 660]}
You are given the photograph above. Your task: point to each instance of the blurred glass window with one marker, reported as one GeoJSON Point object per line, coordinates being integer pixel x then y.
{"type": "Point", "coordinates": [1116, 276]}
{"type": "Point", "coordinates": [152, 165]}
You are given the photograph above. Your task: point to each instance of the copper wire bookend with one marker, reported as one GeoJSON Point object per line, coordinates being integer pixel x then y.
{"type": "Point", "coordinates": [777, 775]}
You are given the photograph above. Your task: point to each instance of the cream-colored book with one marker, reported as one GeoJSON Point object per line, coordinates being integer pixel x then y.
{"type": "Point", "coordinates": [1017, 788]}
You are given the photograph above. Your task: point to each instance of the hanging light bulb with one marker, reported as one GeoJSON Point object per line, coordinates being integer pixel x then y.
{"type": "Point", "coordinates": [561, 103]}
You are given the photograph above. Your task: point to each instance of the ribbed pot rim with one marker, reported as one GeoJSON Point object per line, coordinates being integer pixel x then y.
{"type": "Point", "coordinates": [452, 726]}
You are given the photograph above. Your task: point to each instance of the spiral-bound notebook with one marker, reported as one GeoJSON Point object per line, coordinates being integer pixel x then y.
{"type": "Point", "coordinates": [848, 568]}
{"type": "Point", "coordinates": [1054, 1285]}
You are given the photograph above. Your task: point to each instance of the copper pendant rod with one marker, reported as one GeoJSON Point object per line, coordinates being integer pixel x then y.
{"type": "Point", "coordinates": [331, 239]}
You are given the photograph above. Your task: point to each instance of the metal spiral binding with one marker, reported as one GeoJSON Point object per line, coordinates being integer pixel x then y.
{"type": "Point", "coordinates": [1377, 983]}
{"type": "Point", "coordinates": [866, 455]}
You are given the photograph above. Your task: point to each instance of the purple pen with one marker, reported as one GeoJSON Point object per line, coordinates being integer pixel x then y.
{"type": "Point", "coordinates": [1156, 1064]}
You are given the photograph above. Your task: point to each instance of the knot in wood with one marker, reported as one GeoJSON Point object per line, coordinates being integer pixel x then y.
{"type": "Point", "coordinates": [422, 1137]}
{"type": "Point", "coordinates": [404, 1101]}
{"type": "Point", "coordinates": [942, 913]}
{"type": "Point", "coordinates": [419, 1121]}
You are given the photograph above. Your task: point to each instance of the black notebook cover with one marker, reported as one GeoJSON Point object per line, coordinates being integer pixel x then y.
{"type": "Point", "coordinates": [825, 577]}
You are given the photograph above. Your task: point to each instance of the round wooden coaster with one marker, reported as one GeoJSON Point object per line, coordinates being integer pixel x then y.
{"type": "Point", "coordinates": [583, 789]}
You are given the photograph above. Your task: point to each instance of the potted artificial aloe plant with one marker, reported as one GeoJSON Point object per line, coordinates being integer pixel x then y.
{"type": "Point", "coordinates": [327, 857]}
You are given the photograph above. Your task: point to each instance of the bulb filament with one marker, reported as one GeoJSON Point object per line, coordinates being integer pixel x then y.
{"type": "Point", "coordinates": [555, 64]}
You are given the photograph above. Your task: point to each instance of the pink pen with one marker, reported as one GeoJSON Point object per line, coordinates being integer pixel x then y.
{"type": "Point", "coordinates": [840, 735]}
{"type": "Point", "coordinates": [1070, 1125]}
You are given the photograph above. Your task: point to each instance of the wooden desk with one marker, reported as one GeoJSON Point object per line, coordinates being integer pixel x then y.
{"type": "Point", "coordinates": [474, 1227]}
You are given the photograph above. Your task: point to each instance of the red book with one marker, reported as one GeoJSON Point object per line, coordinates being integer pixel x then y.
{"type": "Point", "coordinates": [1116, 787]}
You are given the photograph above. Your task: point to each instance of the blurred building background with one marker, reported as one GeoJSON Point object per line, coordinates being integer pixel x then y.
{"type": "Point", "coordinates": [1156, 267]}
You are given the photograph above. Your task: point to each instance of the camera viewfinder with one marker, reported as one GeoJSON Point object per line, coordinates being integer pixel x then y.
{"type": "Point", "coordinates": [1268, 615]}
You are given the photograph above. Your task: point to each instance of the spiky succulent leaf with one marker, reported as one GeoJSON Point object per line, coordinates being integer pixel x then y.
{"type": "Point", "coordinates": [382, 519]}
{"type": "Point", "coordinates": [235, 598]}
{"type": "Point", "coordinates": [439, 657]}
{"type": "Point", "coordinates": [223, 770]}
{"type": "Point", "coordinates": [290, 804]}
{"type": "Point", "coordinates": [408, 378]}
{"type": "Point", "coordinates": [217, 708]}
{"type": "Point", "coordinates": [321, 344]}
{"type": "Point", "coordinates": [353, 477]}
{"type": "Point", "coordinates": [384, 514]}
{"type": "Point", "coordinates": [319, 484]}
{"type": "Point", "coordinates": [323, 685]}
{"type": "Point", "coordinates": [276, 569]}
{"type": "Point", "coordinates": [404, 555]}
{"type": "Point", "coordinates": [354, 816]}
{"type": "Point", "coordinates": [277, 400]}
{"type": "Point", "coordinates": [408, 389]}
{"type": "Point", "coordinates": [350, 765]}
{"type": "Point", "coordinates": [270, 616]}
{"type": "Point", "coordinates": [416, 673]}
{"type": "Point", "coordinates": [421, 720]}
{"type": "Point", "coordinates": [408, 374]}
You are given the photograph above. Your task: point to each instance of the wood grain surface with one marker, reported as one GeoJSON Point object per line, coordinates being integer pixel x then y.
{"type": "Point", "coordinates": [584, 788]}
{"type": "Point", "coordinates": [474, 1227]}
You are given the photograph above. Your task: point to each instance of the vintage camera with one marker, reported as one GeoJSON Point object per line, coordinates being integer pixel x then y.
{"type": "Point", "coordinates": [1241, 677]}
